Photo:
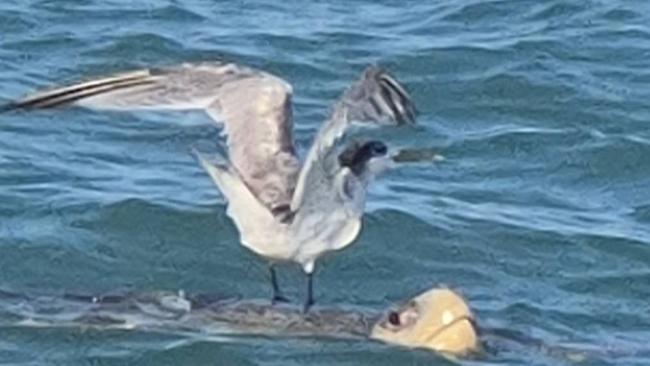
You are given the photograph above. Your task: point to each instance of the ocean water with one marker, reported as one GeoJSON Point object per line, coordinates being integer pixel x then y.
{"type": "Point", "coordinates": [539, 215]}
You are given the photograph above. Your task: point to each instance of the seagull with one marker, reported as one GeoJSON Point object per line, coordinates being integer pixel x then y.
{"type": "Point", "coordinates": [284, 211]}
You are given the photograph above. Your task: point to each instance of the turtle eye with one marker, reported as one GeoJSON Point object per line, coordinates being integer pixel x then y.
{"type": "Point", "coordinates": [393, 319]}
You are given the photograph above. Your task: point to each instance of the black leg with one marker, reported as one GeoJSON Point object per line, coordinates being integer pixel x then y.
{"type": "Point", "coordinates": [277, 294]}
{"type": "Point", "coordinates": [310, 293]}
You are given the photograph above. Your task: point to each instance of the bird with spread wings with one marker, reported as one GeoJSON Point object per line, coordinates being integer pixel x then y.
{"type": "Point", "coordinates": [284, 211]}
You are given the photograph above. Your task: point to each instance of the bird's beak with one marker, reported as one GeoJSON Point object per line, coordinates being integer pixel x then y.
{"type": "Point", "coordinates": [439, 320]}
{"type": "Point", "coordinates": [416, 156]}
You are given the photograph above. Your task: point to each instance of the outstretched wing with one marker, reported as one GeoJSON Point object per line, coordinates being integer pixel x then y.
{"type": "Point", "coordinates": [376, 98]}
{"type": "Point", "coordinates": [254, 222]}
{"type": "Point", "coordinates": [254, 107]}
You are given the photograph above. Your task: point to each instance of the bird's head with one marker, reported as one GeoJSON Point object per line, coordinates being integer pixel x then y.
{"type": "Point", "coordinates": [365, 159]}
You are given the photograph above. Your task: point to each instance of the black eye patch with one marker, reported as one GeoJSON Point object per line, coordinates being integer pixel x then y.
{"type": "Point", "coordinates": [357, 154]}
{"type": "Point", "coordinates": [379, 148]}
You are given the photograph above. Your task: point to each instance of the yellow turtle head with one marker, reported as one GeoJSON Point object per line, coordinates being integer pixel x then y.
{"type": "Point", "coordinates": [438, 319]}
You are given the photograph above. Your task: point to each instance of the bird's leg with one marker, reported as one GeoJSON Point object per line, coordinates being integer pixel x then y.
{"type": "Point", "coordinates": [277, 294]}
{"type": "Point", "coordinates": [310, 293]}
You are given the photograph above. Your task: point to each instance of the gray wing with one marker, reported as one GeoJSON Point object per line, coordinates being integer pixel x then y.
{"type": "Point", "coordinates": [376, 98]}
{"type": "Point", "coordinates": [254, 107]}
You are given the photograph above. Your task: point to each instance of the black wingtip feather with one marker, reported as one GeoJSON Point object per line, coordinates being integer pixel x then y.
{"type": "Point", "coordinates": [390, 101]}
{"type": "Point", "coordinates": [384, 96]}
{"type": "Point", "coordinates": [71, 94]}
{"type": "Point", "coordinates": [395, 93]}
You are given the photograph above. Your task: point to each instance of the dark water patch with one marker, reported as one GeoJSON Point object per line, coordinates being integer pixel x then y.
{"type": "Point", "coordinates": [112, 11]}
{"type": "Point", "coordinates": [177, 14]}
{"type": "Point", "coordinates": [636, 253]}
{"type": "Point", "coordinates": [621, 14]}
{"type": "Point", "coordinates": [13, 21]}
{"type": "Point", "coordinates": [150, 47]}
{"type": "Point", "coordinates": [54, 265]}
{"type": "Point", "coordinates": [44, 45]}
{"type": "Point", "coordinates": [351, 38]}
{"type": "Point", "coordinates": [450, 63]}
{"type": "Point", "coordinates": [109, 241]}
{"type": "Point", "coordinates": [557, 10]}
{"type": "Point", "coordinates": [622, 35]}
{"type": "Point", "coordinates": [612, 160]}
{"type": "Point", "coordinates": [520, 87]}
{"type": "Point", "coordinates": [203, 352]}
{"type": "Point", "coordinates": [57, 345]}
{"type": "Point", "coordinates": [553, 321]}
{"type": "Point", "coordinates": [642, 212]}
{"type": "Point", "coordinates": [614, 286]}
{"type": "Point", "coordinates": [478, 12]}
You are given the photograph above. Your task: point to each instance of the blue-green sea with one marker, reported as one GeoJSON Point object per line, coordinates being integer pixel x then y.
{"type": "Point", "coordinates": [539, 214]}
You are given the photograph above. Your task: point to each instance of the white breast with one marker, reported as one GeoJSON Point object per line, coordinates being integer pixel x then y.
{"type": "Point", "coordinates": [326, 237]}
{"type": "Point", "coordinates": [331, 225]}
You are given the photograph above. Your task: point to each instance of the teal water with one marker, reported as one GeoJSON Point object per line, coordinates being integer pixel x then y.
{"type": "Point", "coordinates": [539, 215]}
